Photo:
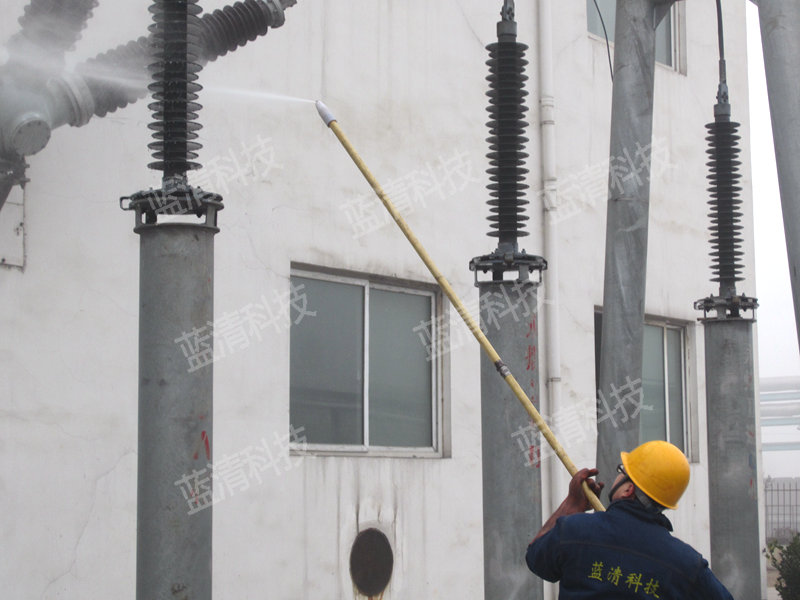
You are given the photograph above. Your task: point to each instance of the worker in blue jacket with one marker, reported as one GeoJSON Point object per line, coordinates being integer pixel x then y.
{"type": "Point", "coordinates": [626, 551]}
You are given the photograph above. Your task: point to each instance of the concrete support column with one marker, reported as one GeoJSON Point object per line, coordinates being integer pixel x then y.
{"type": "Point", "coordinates": [175, 411]}
{"type": "Point", "coordinates": [627, 222]}
{"type": "Point", "coordinates": [780, 39]}
{"type": "Point", "coordinates": [732, 468]}
{"type": "Point", "coordinates": [512, 508]}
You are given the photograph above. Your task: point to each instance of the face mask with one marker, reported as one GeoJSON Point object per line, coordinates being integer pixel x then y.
{"type": "Point", "coordinates": [614, 488]}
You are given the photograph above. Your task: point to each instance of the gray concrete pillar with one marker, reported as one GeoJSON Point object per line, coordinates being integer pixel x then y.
{"type": "Point", "coordinates": [512, 507]}
{"type": "Point", "coordinates": [732, 462]}
{"type": "Point", "coordinates": [780, 39]}
{"type": "Point", "coordinates": [627, 222]}
{"type": "Point", "coordinates": [175, 411]}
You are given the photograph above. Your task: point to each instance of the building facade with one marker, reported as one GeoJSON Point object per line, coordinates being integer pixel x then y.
{"type": "Point", "coordinates": [324, 318]}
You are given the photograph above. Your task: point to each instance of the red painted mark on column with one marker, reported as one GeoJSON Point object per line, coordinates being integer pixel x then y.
{"type": "Point", "coordinates": [533, 458]}
{"type": "Point", "coordinates": [205, 441]}
{"type": "Point", "coordinates": [530, 357]}
{"type": "Point", "coordinates": [204, 437]}
{"type": "Point", "coordinates": [531, 327]}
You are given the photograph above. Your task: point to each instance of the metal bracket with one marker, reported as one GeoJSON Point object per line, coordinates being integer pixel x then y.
{"type": "Point", "coordinates": [507, 12]}
{"type": "Point", "coordinates": [499, 263]}
{"type": "Point", "coordinates": [276, 8]}
{"type": "Point", "coordinates": [729, 307]}
{"type": "Point", "coordinates": [12, 172]}
{"type": "Point", "coordinates": [175, 198]}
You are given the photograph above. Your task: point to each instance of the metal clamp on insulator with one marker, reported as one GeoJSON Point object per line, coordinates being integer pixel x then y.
{"type": "Point", "coordinates": [174, 199]}
{"type": "Point", "coordinates": [276, 8]}
{"type": "Point", "coordinates": [726, 307]}
{"type": "Point", "coordinates": [499, 263]}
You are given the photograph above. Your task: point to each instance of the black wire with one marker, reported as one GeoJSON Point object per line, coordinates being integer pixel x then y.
{"type": "Point", "coordinates": [605, 33]}
{"type": "Point", "coordinates": [722, 89]}
{"type": "Point", "coordinates": [722, 74]}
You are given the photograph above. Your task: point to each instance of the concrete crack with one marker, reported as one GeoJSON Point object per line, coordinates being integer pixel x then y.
{"type": "Point", "coordinates": [85, 525]}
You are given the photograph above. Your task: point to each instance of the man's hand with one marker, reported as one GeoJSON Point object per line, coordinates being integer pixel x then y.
{"type": "Point", "coordinates": [576, 498]}
{"type": "Point", "coordinates": [576, 501]}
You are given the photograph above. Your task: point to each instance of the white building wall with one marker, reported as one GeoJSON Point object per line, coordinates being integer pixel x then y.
{"type": "Point", "coordinates": [406, 81]}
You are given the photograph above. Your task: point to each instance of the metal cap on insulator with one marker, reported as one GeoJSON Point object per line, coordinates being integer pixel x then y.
{"type": "Point", "coordinates": [722, 111]}
{"type": "Point", "coordinates": [24, 119]}
{"type": "Point", "coordinates": [275, 8]}
{"type": "Point", "coordinates": [507, 26]}
{"type": "Point", "coordinates": [28, 134]}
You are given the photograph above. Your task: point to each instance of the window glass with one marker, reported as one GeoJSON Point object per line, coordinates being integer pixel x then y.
{"type": "Point", "coordinates": [675, 386]}
{"type": "Point", "coordinates": [360, 374]}
{"type": "Point", "coordinates": [662, 412]}
{"type": "Point", "coordinates": [608, 8]}
{"type": "Point", "coordinates": [327, 363]}
{"type": "Point", "coordinates": [664, 40]}
{"type": "Point", "coordinates": [653, 423]}
{"type": "Point", "coordinates": [399, 372]}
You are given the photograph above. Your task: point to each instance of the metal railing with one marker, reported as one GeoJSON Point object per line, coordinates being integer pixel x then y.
{"type": "Point", "coordinates": [782, 505]}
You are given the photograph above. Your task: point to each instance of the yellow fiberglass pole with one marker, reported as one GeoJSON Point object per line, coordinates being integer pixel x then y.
{"type": "Point", "coordinates": [504, 371]}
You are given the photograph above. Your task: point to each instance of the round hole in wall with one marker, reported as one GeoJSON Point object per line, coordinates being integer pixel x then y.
{"type": "Point", "coordinates": [371, 562]}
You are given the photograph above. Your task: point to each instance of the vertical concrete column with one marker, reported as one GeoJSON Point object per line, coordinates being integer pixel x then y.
{"type": "Point", "coordinates": [627, 221]}
{"type": "Point", "coordinates": [512, 511]}
{"type": "Point", "coordinates": [732, 473]}
{"type": "Point", "coordinates": [175, 411]}
{"type": "Point", "coordinates": [780, 39]}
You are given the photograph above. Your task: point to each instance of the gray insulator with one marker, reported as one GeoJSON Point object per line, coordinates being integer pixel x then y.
{"type": "Point", "coordinates": [174, 87]}
{"type": "Point", "coordinates": [119, 77]}
{"type": "Point", "coordinates": [49, 28]}
{"type": "Point", "coordinates": [507, 142]}
{"type": "Point", "coordinates": [725, 203]}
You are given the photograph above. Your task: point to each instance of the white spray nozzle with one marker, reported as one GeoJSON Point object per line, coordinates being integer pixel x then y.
{"type": "Point", "coordinates": [325, 113]}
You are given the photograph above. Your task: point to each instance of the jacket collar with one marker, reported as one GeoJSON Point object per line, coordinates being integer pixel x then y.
{"type": "Point", "coordinates": [635, 508]}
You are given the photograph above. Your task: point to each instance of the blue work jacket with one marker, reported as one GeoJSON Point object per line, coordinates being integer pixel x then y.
{"type": "Point", "coordinates": [624, 552]}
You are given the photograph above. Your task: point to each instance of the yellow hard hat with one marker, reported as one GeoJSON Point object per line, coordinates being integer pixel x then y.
{"type": "Point", "coordinates": [659, 469]}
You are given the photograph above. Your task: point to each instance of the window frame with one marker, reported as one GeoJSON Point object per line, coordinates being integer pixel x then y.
{"type": "Point", "coordinates": [665, 326]}
{"type": "Point", "coordinates": [689, 342]}
{"type": "Point", "coordinates": [437, 320]}
{"type": "Point", "coordinates": [677, 37]}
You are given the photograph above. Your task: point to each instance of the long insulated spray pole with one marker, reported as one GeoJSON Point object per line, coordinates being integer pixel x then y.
{"type": "Point", "coordinates": [504, 371]}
